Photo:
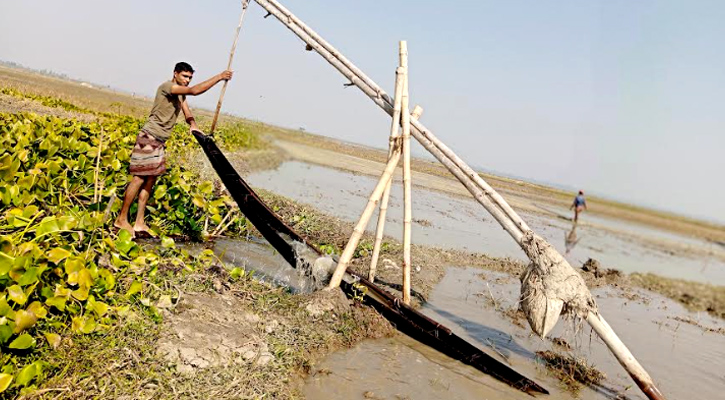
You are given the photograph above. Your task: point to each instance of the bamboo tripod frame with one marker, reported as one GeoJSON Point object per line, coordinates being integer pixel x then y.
{"type": "Point", "coordinates": [510, 221]}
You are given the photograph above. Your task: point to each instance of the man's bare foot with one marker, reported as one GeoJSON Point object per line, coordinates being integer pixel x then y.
{"type": "Point", "coordinates": [125, 226]}
{"type": "Point", "coordinates": [142, 227]}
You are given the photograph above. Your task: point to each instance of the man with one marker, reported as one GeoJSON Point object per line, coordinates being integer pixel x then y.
{"type": "Point", "coordinates": [148, 159]}
{"type": "Point", "coordinates": [579, 205]}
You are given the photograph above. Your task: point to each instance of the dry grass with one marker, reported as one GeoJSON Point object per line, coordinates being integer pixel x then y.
{"type": "Point", "coordinates": [123, 363]}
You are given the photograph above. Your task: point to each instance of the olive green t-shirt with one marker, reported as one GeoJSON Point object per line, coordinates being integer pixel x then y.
{"type": "Point", "coordinates": [164, 112]}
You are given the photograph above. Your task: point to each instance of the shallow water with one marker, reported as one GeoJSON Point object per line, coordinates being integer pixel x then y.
{"type": "Point", "coordinates": [265, 262]}
{"type": "Point", "coordinates": [452, 222]}
{"type": "Point", "coordinates": [685, 361]}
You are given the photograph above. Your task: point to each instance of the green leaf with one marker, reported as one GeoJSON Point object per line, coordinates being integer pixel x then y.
{"type": "Point", "coordinates": [53, 339]}
{"type": "Point", "coordinates": [27, 374]}
{"type": "Point", "coordinates": [30, 211]}
{"type": "Point", "coordinates": [5, 380]}
{"type": "Point", "coordinates": [57, 302]}
{"type": "Point", "coordinates": [198, 201]}
{"type": "Point", "coordinates": [89, 325]}
{"type": "Point", "coordinates": [6, 331]}
{"type": "Point", "coordinates": [136, 287]}
{"type": "Point", "coordinates": [47, 225]}
{"type": "Point", "coordinates": [6, 263]}
{"type": "Point", "coordinates": [124, 244]}
{"type": "Point", "coordinates": [22, 342]}
{"type": "Point", "coordinates": [159, 192]}
{"type": "Point", "coordinates": [24, 320]}
{"type": "Point", "coordinates": [4, 307]}
{"type": "Point", "coordinates": [16, 294]}
{"type": "Point", "coordinates": [236, 273]}
{"type": "Point", "coordinates": [81, 293]}
{"type": "Point", "coordinates": [57, 255]}
{"type": "Point", "coordinates": [100, 308]}
{"type": "Point", "coordinates": [167, 243]}
{"type": "Point", "coordinates": [37, 308]}
{"type": "Point", "coordinates": [30, 276]}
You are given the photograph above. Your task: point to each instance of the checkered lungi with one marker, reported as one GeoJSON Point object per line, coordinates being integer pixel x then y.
{"type": "Point", "coordinates": [148, 157]}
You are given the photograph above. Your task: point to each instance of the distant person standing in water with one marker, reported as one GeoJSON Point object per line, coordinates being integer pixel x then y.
{"type": "Point", "coordinates": [579, 205]}
{"type": "Point", "coordinates": [148, 159]}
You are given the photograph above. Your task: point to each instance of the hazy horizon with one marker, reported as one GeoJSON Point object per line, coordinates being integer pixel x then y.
{"type": "Point", "coordinates": [616, 98]}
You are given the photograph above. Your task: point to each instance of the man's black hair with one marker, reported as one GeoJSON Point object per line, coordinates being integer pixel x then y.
{"type": "Point", "coordinates": [183, 67]}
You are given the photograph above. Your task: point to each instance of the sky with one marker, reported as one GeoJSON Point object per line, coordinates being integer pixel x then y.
{"type": "Point", "coordinates": [622, 99]}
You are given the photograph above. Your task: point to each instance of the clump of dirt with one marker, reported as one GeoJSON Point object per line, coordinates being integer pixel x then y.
{"type": "Point", "coordinates": [571, 371]}
{"type": "Point", "coordinates": [213, 330]}
{"type": "Point", "coordinates": [561, 343]}
{"type": "Point", "coordinates": [595, 274]}
{"type": "Point", "coordinates": [423, 222]}
{"type": "Point", "coordinates": [323, 301]}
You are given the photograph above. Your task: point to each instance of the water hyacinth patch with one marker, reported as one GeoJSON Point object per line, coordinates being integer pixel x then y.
{"type": "Point", "coordinates": [63, 272]}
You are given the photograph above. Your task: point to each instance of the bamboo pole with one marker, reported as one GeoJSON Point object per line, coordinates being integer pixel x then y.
{"type": "Point", "coordinates": [417, 112]}
{"type": "Point", "coordinates": [394, 133]}
{"type": "Point", "coordinates": [245, 4]}
{"type": "Point", "coordinates": [624, 356]}
{"type": "Point", "coordinates": [482, 192]}
{"type": "Point", "coordinates": [364, 219]}
{"type": "Point", "coordinates": [407, 205]}
{"type": "Point", "coordinates": [97, 171]}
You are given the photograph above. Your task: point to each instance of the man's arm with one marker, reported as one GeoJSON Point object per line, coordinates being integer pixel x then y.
{"type": "Point", "coordinates": [188, 116]}
{"type": "Point", "coordinates": [201, 87]}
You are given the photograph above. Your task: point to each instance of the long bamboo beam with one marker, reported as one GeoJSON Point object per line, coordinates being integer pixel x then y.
{"type": "Point", "coordinates": [482, 192]}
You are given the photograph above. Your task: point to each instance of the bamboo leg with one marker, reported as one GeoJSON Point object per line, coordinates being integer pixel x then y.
{"type": "Point", "coordinates": [407, 208]}
{"type": "Point", "coordinates": [245, 4]}
{"type": "Point", "coordinates": [394, 133]}
{"type": "Point", "coordinates": [364, 219]}
{"type": "Point", "coordinates": [417, 112]}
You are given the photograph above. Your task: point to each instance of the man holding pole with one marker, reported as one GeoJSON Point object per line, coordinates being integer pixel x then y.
{"type": "Point", "coordinates": [148, 159]}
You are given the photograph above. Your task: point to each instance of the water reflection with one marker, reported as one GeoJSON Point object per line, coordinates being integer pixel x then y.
{"type": "Point", "coordinates": [571, 239]}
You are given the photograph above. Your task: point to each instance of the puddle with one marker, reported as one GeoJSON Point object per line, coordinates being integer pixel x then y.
{"type": "Point", "coordinates": [682, 358]}
{"type": "Point", "coordinates": [452, 222]}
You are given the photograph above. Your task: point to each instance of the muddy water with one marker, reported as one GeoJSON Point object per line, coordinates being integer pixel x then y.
{"type": "Point", "coordinates": [265, 262]}
{"type": "Point", "coordinates": [447, 221]}
{"type": "Point", "coordinates": [685, 361]}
